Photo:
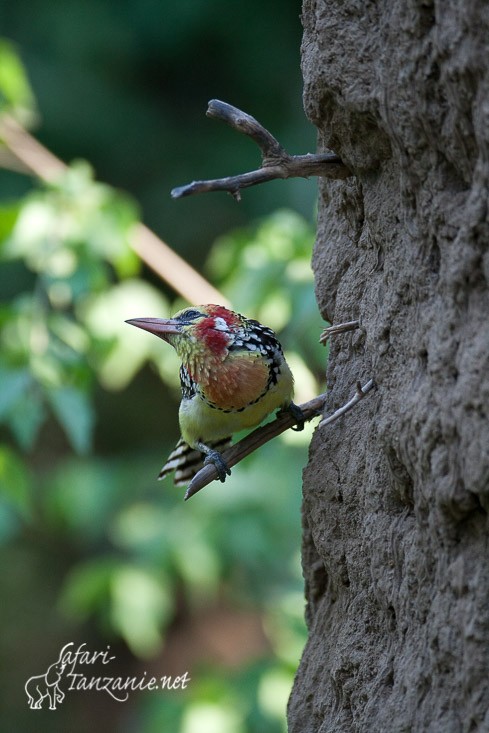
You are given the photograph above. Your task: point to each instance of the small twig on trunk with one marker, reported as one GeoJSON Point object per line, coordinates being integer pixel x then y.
{"type": "Point", "coordinates": [359, 395]}
{"type": "Point", "coordinates": [276, 162]}
{"type": "Point", "coordinates": [334, 330]}
{"type": "Point", "coordinates": [263, 434]}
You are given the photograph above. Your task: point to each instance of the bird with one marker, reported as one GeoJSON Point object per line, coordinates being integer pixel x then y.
{"type": "Point", "coordinates": [233, 374]}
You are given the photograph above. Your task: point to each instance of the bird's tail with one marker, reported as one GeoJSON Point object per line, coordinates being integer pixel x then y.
{"type": "Point", "coordinates": [186, 461]}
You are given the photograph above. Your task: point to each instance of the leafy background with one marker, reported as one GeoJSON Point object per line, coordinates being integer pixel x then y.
{"type": "Point", "coordinates": [93, 548]}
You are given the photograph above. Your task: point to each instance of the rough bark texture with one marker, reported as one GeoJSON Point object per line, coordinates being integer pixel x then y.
{"type": "Point", "coordinates": [396, 494]}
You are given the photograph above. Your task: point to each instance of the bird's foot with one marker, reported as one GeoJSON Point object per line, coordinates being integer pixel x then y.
{"type": "Point", "coordinates": [298, 415]}
{"type": "Point", "coordinates": [222, 468]}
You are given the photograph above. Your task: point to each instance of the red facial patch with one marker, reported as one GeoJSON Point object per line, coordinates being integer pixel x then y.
{"type": "Point", "coordinates": [215, 341]}
{"type": "Point", "coordinates": [219, 311]}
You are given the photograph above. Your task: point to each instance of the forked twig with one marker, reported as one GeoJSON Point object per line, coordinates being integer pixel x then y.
{"type": "Point", "coordinates": [263, 434]}
{"type": "Point", "coordinates": [276, 162]}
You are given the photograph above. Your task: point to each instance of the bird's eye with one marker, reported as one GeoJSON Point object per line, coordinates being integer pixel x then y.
{"type": "Point", "coordinates": [190, 315]}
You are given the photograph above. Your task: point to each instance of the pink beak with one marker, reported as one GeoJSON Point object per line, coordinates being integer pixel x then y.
{"type": "Point", "coordinates": [159, 326]}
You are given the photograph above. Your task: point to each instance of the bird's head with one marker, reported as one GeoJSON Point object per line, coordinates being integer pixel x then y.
{"type": "Point", "coordinates": [198, 331]}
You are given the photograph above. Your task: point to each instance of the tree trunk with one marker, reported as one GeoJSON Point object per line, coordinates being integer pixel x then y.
{"type": "Point", "coordinates": [396, 493]}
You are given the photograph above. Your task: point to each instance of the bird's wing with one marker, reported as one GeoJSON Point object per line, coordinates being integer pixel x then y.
{"type": "Point", "coordinates": [186, 461]}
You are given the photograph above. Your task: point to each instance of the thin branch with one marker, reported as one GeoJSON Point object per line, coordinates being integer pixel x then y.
{"type": "Point", "coordinates": [263, 434]}
{"type": "Point", "coordinates": [247, 125]}
{"type": "Point", "coordinates": [276, 162]}
{"type": "Point", "coordinates": [359, 395]}
{"type": "Point", "coordinates": [334, 330]}
{"type": "Point", "coordinates": [254, 440]}
{"type": "Point", "coordinates": [35, 159]}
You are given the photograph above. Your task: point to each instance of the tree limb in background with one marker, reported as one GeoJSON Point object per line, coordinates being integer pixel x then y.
{"type": "Point", "coordinates": [180, 276]}
{"type": "Point", "coordinates": [263, 434]}
{"type": "Point", "coordinates": [276, 162]}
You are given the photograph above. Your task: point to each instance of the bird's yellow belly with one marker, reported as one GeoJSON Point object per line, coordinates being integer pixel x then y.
{"type": "Point", "coordinates": [199, 422]}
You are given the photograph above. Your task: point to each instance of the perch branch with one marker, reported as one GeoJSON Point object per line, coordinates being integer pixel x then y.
{"type": "Point", "coordinates": [276, 162]}
{"type": "Point", "coordinates": [26, 154]}
{"type": "Point", "coordinates": [334, 330]}
{"type": "Point", "coordinates": [253, 441]}
{"type": "Point", "coordinates": [263, 434]}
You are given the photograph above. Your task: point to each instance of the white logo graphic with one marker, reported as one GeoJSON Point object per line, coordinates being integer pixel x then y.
{"type": "Point", "coordinates": [71, 669]}
{"type": "Point", "coordinates": [46, 685]}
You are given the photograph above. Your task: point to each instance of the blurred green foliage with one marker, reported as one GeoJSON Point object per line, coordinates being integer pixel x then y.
{"type": "Point", "coordinates": [16, 96]}
{"type": "Point", "coordinates": [64, 245]}
{"type": "Point", "coordinates": [125, 85]}
{"type": "Point", "coordinates": [133, 561]}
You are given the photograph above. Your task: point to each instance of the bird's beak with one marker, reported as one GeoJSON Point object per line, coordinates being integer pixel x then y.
{"type": "Point", "coordinates": [161, 327]}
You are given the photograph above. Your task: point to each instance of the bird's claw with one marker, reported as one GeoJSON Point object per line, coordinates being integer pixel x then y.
{"type": "Point", "coordinates": [219, 464]}
{"type": "Point", "coordinates": [298, 415]}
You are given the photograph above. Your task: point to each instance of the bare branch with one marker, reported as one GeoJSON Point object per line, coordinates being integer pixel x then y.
{"type": "Point", "coordinates": [276, 162]}
{"type": "Point", "coordinates": [263, 434]}
{"type": "Point", "coordinates": [32, 157]}
{"type": "Point", "coordinates": [247, 125]}
{"type": "Point", "coordinates": [28, 151]}
{"type": "Point", "coordinates": [359, 395]}
{"type": "Point", "coordinates": [254, 440]}
{"type": "Point", "coordinates": [334, 330]}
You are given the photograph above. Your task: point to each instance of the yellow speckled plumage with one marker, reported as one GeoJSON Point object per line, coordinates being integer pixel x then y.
{"type": "Point", "coordinates": [233, 375]}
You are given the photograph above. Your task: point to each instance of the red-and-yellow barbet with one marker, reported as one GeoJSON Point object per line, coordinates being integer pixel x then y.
{"type": "Point", "coordinates": [233, 374]}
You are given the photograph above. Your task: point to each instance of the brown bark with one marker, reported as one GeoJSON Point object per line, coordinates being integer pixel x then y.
{"type": "Point", "coordinates": [396, 494]}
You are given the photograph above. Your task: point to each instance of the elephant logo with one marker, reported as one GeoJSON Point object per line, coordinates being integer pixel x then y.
{"type": "Point", "coordinates": [45, 685]}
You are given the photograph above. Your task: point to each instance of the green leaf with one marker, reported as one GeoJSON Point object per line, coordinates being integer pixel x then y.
{"type": "Point", "coordinates": [141, 605]}
{"type": "Point", "coordinates": [138, 601]}
{"type": "Point", "coordinates": [74, 412]}
{"type": "Point", "coordinates": [26, 418]}
{"type": "Point", "coordinates": [13, 382]}
{"type": "Point", "coordinates": [9, 523]}
{"type": "Point", "coordinates": [87, 587]}
{"type": "Point", "coordinates": [15, 484]}
{"type": "Point", "coordinates": [15, 91]}
{"type": "Point", "coordinates": [8, 216]}
{"type": "Point", "coordinates": [79, 499]}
